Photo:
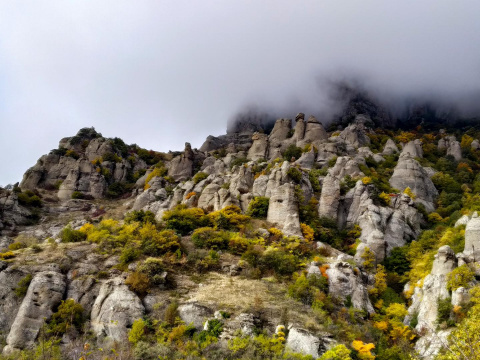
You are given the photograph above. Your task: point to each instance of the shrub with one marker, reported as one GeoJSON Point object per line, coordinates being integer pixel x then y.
{"type": "Point", "coordinates": [185, 220]}
{"type": "Point", "coordinates": [238, 162]}
{"type": "Point", "coordinates": [154, 269]}
{"type": "Point", "coordinates": [128, 255]}
{"type": "Point", "coordinates": [156, 243]}
{"type": "Point", "coordinates": [140, 216]}
{"type": "Point", "coordinates": [69, 314]}
{"type": "Point", "coordinates": [292, 151]}
{"type": "Point", "coordinates": [117, 189]}
{"type": "Point", "coordinates": [22, 286]}
{"type": "Point", "coordinates": [460, 277]}
{"type": "Point", "coordinates": [305, 289]}
{"type": "Point", "coordinates": [69, 235]}
{"type": "Point", "coordinates": [211, 239]}
{"type": "Point", "coordinates": [156, 172]}
{"type": "Point", "coordinates": [78, 195]}
{"type": "Point", "coordinates": [229, 218]}
{"type": "Point", "coordinates": [29, 199]}
{"type": "Point", "coordinates": [313, 176]}
{"type": "Point", "coordinates": [137, 332]}
{"type": "Point", "coordinates": [307, 232]}
{"type": "Point", "coordinates": [238, 244]}
{"type": "Point", "coordinates": [295, 174]}
{"type": "Point", "coordinates": [7, 255]}
{"type": "Point", "coordinates": [258, 207]}
{"type": "Point", "coordinates": [200, 176]}
{"type": "Point", "coordinates": [138, 283]}
{"type": "Point", "coordinates": [171, 313]}
{"type": "Point", "coordinates": [444, 311]}
{"type": "Point", "coordinates": [278, 260]}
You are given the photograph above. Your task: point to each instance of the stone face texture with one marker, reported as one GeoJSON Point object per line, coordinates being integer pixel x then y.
{"type": "Point", "coordinates": [409, 173]}
{"type": "Point", "coordinates": [283, 210]}
{"type": "Point", "coordinates": [115, 309]}
{"type": "Point", "coordinates": [44, 293]}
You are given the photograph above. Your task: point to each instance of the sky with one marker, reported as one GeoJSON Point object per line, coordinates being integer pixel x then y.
{"type": "Point", "coordinates": [160, 73]}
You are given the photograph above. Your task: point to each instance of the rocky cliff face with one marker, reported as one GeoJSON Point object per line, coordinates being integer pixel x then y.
{"type": "Point", "coordinates": [335, 182]}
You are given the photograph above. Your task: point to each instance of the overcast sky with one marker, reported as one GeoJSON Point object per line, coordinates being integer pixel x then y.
{"type": "Point", "coordinates": [159, 73]}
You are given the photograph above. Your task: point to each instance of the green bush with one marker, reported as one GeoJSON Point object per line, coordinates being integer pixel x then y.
{"type": "Point", "coordinates": [238, 161]}
{"type": "Point", "coordinates": [117, 189]}
{"type": "Point", "coordinates": [153, 268]}
{"type": "Point", "coordinates": [69, 235]}
{"type": "Point", "coordinates": [78, 195]}
{"type": "Point", "coordinates": [128, 255]}
{"type": "Point", "coordinates": [258, 207]}
{"type": "Point", "coordinates": [199, 177]}
{"type": "Point", "coordinates": [140, 216]}
{"type": "Point", "coordinates": [68, 315]}
{"type": "Point", "coordinates": [398, 261]}
{"type": "Point", "coordinates": [444, 312]}
{"type": "Point", "coordinates": [159, 243]}
{"type": "Point", "coordinates": [139, 283]}
{"type": "Point", "coordinates": [295, 174]}
{"type": "Point", "coordinates": [460, 277]}
{"type": "Point", "coordinates": [306, 288]}
{"type": "Point", "coordinates": [209, 238]}
{"type": "Point", "coordinates": [292, 151]}
{"type": "Point", "coordinates": [22, 286]}
{"type": "Point", "coordinates": [313, 176]}
{"type": "Point", "coordinates": [29, 199]}
{"type": "Point", "coordinates": [279, 261]}
{"type": "Point", "coordinates": [184, 220]}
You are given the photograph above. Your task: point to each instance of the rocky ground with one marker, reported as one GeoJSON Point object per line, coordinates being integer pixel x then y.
{"type": "Point", "coordinates": [337, 202]}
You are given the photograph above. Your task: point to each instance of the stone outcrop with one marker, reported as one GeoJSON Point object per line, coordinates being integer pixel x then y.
{"type": "Point", "coordinates": [44, 293]}
{"type": "Point", "coordinates": [259, 147]}
{"type": "Point", "coordinates": [181, 167]}
{"type": "Point", "coordinates": [409, 173]}
{"type": "Point", "coordinates": [355, 134]}
{"type": "Point", "coordinates": [345, 281]}
{"type": "Point", "coordinates": [452, 146]}
{"type": "Point", "coordinates": [425, 299]}
{"type": "Point", "coordinates": [283, 210]}
{"type": "Point", "coordinates": [390, 148]}
{"type": "Point", "coordinates": [472, 239]}
{"type": "Point", "coordinates": [12, 214]}
{"type": "Point", "coordinates": [115, 309]}
{"type": "Point", "coordinates": [305, 342]}
{"type": "Point", "coordinates": [194, 313]}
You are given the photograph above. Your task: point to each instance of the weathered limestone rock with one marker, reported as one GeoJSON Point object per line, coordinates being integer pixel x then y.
{"type": "Point", "coordinates": [307, 159]}
{"type": "Point", "coordinates": [44, 293]}
{"type": "Point", "coordinates": [115, 309]}
{"type": "Point", "coordinates": [344, 280]}
{"type": "Point", "coordinates": [9, 303]}
{"type": "Point", "coordinates": [303, 341]}
{"type": "Point", "coordinates": [452, 146]}
{"type": "Point", "coordinates": [283, 210]}
{"type": "Point", "coordinates": [390, 148]}
{"type": "Point", "coordinates": [425, 299]}
{"type": "Point", "coordinates": [412, 149]}
{"type": "Point", "coordinates": [409, 173]}
{"type": "Point", "coordinates": [12, 213]}
{"type": "Point", "coordinates": [259, 147]}
{"type": "Point", "coordinates": [355, 134]}
{"type": "Point", "coordinates": [313, 132]}
{"type": "Point", "coordinates": [472, 238]}
{"type": "Point", "coordinates": [196, 314]}
{"type": "Point", "coordinates": [330, 197]}
{"type": "Point", "coordinates": [181, 167]}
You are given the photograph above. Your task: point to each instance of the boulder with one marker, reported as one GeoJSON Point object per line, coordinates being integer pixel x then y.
{"type": "Point", "coordinates": [412, 149]}
{"type": "Point", "coordinates": [44, 294]}
{"type": "Point", "coordinates": [181, 167]}
{"type": "Point", "coordinates": [425, 299]}
{"type": "Point", "coordinates": [115, 309]}
{"type": "Point", "coordinates": [303, 341]}
{"type": "Point", "coordinates": [355, 134]}
{"type": "Point", "coordinates": [472, 238]}
{"type": "Point", "coordinates": [409, 173]}
{"type": "Point", "coordinates": [259, 147]}
{"type": "Point", "coordinates": [344, 280]}
{"type": "Point", "coordinates": [390, 148]}
{"type": "Point", "coordinates": [283, 210]}
{"type": "Point", "coordinates": [195, 314]}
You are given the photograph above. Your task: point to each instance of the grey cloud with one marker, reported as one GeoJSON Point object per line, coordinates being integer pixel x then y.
{"type": "Point", "coordinates": [159, 73]}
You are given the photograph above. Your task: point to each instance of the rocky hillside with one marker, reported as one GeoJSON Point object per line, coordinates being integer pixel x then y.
{"type": "Point", "coordinates": [292, 242]}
